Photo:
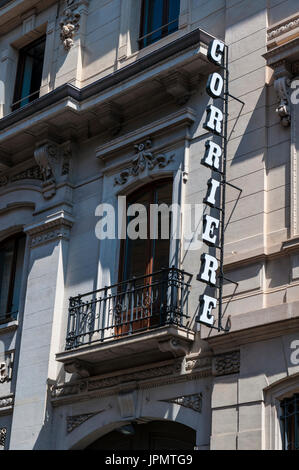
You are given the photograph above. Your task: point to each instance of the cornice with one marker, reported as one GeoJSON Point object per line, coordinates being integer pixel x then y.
{"type": "Point", "coordinates": [155, 375]}
{"type": "Point", "coordinates": [282, 27]}
{"type": "Point", "coordinates": [69, 91]}
{"type": "Point", "coordinates": [240, 336]}
{"type": "Point", "coordinates": [55, 227]}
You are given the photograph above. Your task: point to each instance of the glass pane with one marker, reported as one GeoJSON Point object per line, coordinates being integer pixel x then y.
{"type": "Point", "coordinates": [27, 80]}
{"type": "Point", "coordinates": [174, 12]}
{"type": "Point", "coordinates": [6, 264]}
{"type": "Point", "coordinates": [30, 74]}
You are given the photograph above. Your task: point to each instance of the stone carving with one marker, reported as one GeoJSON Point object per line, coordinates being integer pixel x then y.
{"type": "Point", "coordinates": [175, 346]}
{"type": "Point", "coordinates": [57, 228]}
{"type": "Point", "coordinates": [93, 384]}
{"type": "Point", "coordinates": [281, 86]}
{"type": "Point", "coordinates": [6, 367]}
{"type": "Point", "coordinates": [6, 401]}
{"type": "Point", "coordinates": [144, 158]}
{"type": "Point", "coordinates": [194, 402]}
{"type": "Point", "coordinates": [198, 363]}
{"type": "Point", "coordinates": [226, 363]}
{"type": "Point", "coordinates": [3, 433]}
{"type": "Point", "coordinates": [70, 22]}
{"type": "Point", "coordinates": [72, 422]}
{"type": "Point", "coordinates": [33, 173]}
{"type": "Point", "coordinates": [53, 161]}
{"type": "Point", "coordinates": [283, 29]}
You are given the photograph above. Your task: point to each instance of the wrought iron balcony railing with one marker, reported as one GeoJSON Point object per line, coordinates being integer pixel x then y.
{"type": "Point", "coordinates": [132, 306]}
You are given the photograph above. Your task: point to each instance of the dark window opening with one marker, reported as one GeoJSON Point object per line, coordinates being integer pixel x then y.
{"type": "Point", "coordinates": [158, 19]}
{"type": "Point", "coordinates": [11, 268]}
{"type": "Point", "coordinates": [290, 423]}
{"type": "Point", "coordinates": [29, 73]}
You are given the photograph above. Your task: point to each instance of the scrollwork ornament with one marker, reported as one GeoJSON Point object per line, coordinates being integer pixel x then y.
{"type": "Point", "coordinates": [145, 158]}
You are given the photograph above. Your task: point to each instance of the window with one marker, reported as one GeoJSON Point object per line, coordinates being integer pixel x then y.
{"type": "Point", "coordinates": [11, 267]}
{"type": "Point", "coordinates": [145, 256]}
{"type": "Point", "coordinates": [29, 73]}
{"type": "Point", "coordinates": [290, 422]}
{"type": "Point", "coordinates": [158, 19]}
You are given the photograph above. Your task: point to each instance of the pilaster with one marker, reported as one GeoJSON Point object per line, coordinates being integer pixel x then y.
{"type": "Point", "coordinates": [42, 333]}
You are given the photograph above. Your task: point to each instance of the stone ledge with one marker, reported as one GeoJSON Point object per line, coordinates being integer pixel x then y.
{"type": "Point", "coordinates": [8, 327]}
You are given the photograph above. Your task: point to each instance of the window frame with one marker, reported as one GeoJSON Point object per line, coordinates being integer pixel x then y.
{"type": "Point", "coordinates": [144, 36]}
{"type": "Point", "coordinates": [285, 422]}
{"type": "Point", "coordinates": [17, 98]}
{"type": "Point", "coordinates": [152, 187]}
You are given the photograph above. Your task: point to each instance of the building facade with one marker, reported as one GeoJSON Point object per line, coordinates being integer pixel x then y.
{"type": "Point", "coordinates": [102, 105]}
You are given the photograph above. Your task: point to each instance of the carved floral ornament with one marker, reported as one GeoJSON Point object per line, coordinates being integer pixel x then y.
{"type": "Point", "coordinates": [145, 158]}
{"type": "Point", "coordinates": [70, 22]}
{"type": "Point", "coordinates": [53, 161]}
{"type": "Point", "coordinates": [3, 432]}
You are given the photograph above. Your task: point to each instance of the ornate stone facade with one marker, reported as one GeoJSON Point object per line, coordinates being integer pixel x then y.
{"type": "Point", "coordinates": [226, 363]}
{"type": "Point", "coordinates": [6, 367]}
{"type": "Point", "coordinates": [70, 22]}
{"type": "Point", "coordinates": [32, 173]}
{"type": "Point", "coordinates": [72, 422]}
{"type": "Point", "coordinates": [145, 158]}
{"type": "Point", "coordinates": [194, 401]}
{"type": "Point", "coordinates": [3, 433]}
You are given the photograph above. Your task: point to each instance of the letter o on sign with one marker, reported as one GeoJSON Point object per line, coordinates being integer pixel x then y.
{"type": "Point", "coordinates": [215, 85]}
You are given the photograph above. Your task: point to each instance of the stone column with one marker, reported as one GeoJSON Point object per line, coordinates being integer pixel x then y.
{"type": "Point", "coordinates": [42, 336]}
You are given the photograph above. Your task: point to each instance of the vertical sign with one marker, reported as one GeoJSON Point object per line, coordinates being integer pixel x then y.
{"type": "Point", "coordinates": [211, 272]}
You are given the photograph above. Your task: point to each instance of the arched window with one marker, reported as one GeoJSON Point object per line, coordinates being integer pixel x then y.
{"type": "Point", "coordinates": [11, 268]}
{"type": "Point", "coordinates": [290, 422]}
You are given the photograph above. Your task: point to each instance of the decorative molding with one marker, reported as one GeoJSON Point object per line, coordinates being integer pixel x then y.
{"type": "Point", "coordinates": [3, 433]}
{"type": "Point", "coordinates": [194, 401]}
{"type": "Point", "coordinates": [73, 422]}
{"type": "Point", "coordinates": [53, 161]}
{"type": "Point", "coordinates": [6, 402]}
{"type": "Point", "coordinates": [70, 22]}
{"type": "Point", "coordinates": [226, 363]}
{"type": "Point", "coordinates": [32, 173]}
{"type": "Point", "coordinates": [78, 367]}
{"type": "Point", "coordinates": [99, 383]}
{"type": "Point", "coordinates": [177, 84]}
{"type": "Point", "coordinates": [144, 158]}
{"type": "Point", "coordinates": [111, 117]}
{"type": "Point", "coordinates": [175, 346]}
{"type": "Point", "coordinates": [282, 85]}
{"type": "Point", "coordinates": [55, 228]}
{"type": "Point", "coordinates": [198, 363]}
{"type": "Point", "coordinates": [282, 28]}
{"type": "Point", "coordinates": [86, 389]}
{"type": "Point", "coordinates": [6, 367]}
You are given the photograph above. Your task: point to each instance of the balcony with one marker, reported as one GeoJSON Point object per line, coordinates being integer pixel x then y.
{"type": "Point", "coordinates": [140, 320]}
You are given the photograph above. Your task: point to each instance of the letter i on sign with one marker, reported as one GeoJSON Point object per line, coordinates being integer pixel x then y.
{"type": "Point", "coordinates": [212, 160]}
